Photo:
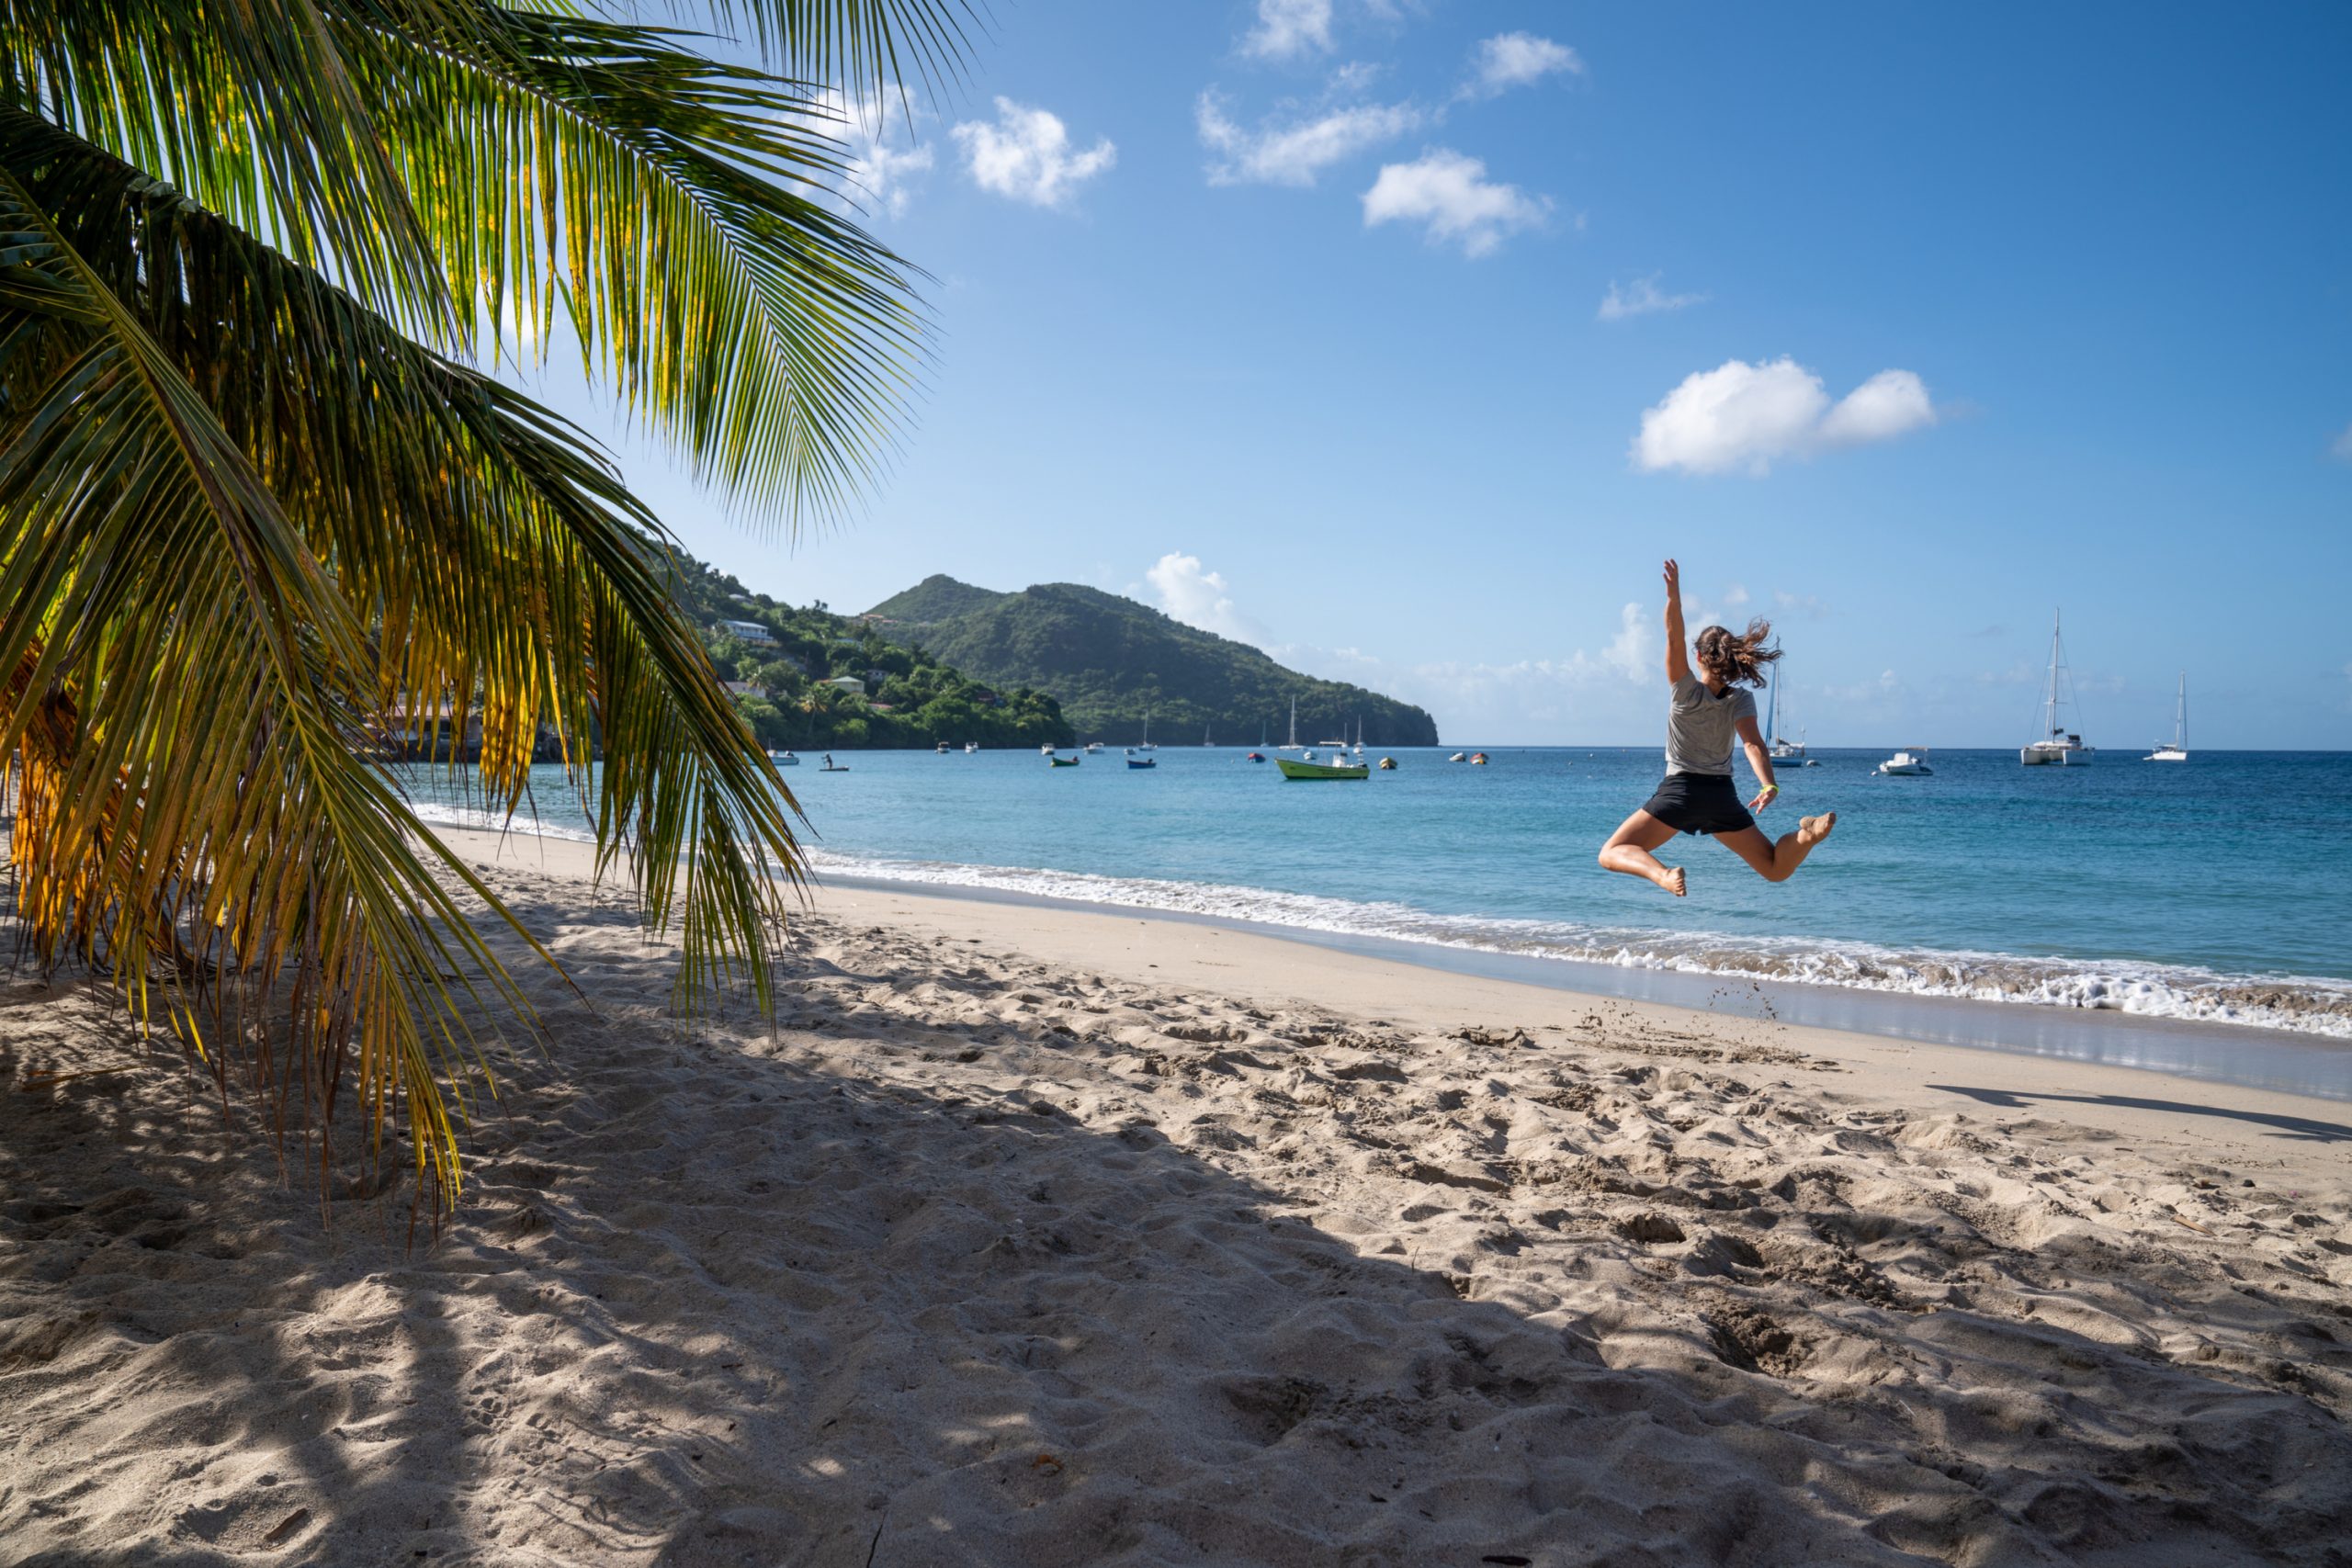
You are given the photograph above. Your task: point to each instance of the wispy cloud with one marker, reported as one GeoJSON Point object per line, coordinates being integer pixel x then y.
{"type": "Point", "coordinates": [1287, 29]}
{"type": "Point", "coordinates": [1745, 417]}
{"type": "Point", "coordinates": [1804, 605]}
{"type": "Point", "coordinates": [885, 161]}
{"type": "Point", "coordinates": [1198, 597]}
{"type": "Point", "coordinates": [1451, 197]}
{"type": "Point", "coordinates": [1736, 595]}
{"type": "Point", "coordinates": [1027, 154]}
{"type": "Point", "coordinates": [1515, 60]}
{"type": "Point", "coordinates": [1641, 298]}
{"type": "Point", "coordinates": [1294, 152]}
{"type": "Point", "coordinates": [2342, 446]}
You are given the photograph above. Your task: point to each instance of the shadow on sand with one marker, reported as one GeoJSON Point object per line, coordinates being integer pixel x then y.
{"type": "Point", "coordinates": [730, 1300]}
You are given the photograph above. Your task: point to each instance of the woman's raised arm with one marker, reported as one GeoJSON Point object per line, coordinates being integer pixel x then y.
{"type": "Point", "coordinates": [1678, 646]}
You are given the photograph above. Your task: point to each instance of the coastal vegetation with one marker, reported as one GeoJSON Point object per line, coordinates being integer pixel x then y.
{"type": "Point", "coordinates": [1110, 660]}
{"type": "Point", "coordinates": [822, 681]}
{"type": "Point", "coordinates": [262, 507]}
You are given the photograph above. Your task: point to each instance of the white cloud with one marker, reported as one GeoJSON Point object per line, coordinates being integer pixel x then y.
{"type": "Point", "coordinates": [1514, 60]}
{"type": "Point", "coordinates": [1293, 154]}
{"type": "Point", "coordinates": [1201, 598]}
{"type": "Point", "coordinates": [1288, 28]}
{"type": "Point", "coordinates": [1450, 195]}
{"type": "Point", "coordinates": [1640, 298]}
{"type": "Point", "coordinates": [1736, 595]}
{"type": "Point", "coordinates": [2342, 446]}
{"type": "Point", "coordinates": [1027, 155]}
{"type": "Point", "coordinates": [1891, 403]}
{"type": "Point", "coordinates": [1746, 416]}
{"type": "Point", "coordinates": [884, 160]}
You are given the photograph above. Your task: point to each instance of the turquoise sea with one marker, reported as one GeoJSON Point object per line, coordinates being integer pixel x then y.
{"type": "Point", "coordinates": [2207, 891]}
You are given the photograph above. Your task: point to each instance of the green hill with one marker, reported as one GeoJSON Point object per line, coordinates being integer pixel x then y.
{"type": "Point", "coordinates": [786, 661]}
{"type": "Point", "coordinates": [1108, 659]}
{"type": "Point", "coordinates": [938, 597]}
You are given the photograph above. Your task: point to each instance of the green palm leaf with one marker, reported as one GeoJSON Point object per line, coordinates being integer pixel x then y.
{"type": "Point", "coordinates": [248, 523]}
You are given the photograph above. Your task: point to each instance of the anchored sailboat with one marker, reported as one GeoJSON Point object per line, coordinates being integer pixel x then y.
{"type": "Point", "coordinates": [1292, 744]}
{"type": "Point", "coordinates": [1781, 747]}
{"type": "Point", "coordinates": [2178, 750]}
{"type": "Point", "coordinates": [2058, 745]}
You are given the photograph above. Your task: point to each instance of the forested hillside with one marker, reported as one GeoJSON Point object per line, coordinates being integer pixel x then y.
{"type": "Point", "coordinates": [1109, 659]}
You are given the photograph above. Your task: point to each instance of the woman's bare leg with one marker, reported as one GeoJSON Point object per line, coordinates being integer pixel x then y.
{"type": "Point", "coordinates": [1775, 862]}
{"type": "Point", "coordinates": [1628, 849]}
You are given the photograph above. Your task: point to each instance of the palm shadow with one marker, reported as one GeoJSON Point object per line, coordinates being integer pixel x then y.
{"type": "Point", "coordinates": [2303, 1128]}
{"type": "Point", "coordinates": [715, 1299]}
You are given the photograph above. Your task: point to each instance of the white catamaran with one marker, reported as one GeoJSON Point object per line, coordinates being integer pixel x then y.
{"type": "Point", "coordinates": [1781, 747]}
{"type": "Point", "coordinates": [2058, 745]}
{"type": "Point", "coordinates": [2178, 750]}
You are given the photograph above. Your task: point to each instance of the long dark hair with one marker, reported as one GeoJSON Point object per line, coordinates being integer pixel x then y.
{"type": "Point", "coordinates": [1739, 658]}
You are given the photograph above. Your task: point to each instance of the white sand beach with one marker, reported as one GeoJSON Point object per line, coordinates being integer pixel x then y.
{"type": "Point", "coordinates": [1032, 1235]}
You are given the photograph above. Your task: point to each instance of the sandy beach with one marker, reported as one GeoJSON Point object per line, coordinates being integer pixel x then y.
{"type": "Point", "coordinates": [1036, 1235]}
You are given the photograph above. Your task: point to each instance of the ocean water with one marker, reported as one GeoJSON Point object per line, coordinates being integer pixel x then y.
{"type": "Point", "coordinates": [2207, 891]}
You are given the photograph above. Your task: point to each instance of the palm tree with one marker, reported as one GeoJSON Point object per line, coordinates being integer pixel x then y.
{"type": "Point", "coordinates": [260, 508]}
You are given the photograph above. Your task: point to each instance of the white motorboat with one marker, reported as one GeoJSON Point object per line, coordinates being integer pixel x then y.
{"type": "Point", "coordinates": [1047, 749]}
{"type": "Point", "coordinates": [2058, 747]}
{"type": "Point", "coordinates": [783, 759]}
{"type": "Point", "coordinates": [1095, 746]}
{"type": "Point", "coordinates": [1909, 763]}
{"type": "Point", "coordinates": [2178, 750]}
{"type": "Point", "coordinates": [970, 747]}
{"type": "Point", "coordinates": [1459, 757]}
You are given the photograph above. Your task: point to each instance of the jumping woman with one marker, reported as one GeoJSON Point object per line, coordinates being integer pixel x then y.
{"type": "Point", "coordinates": [1709, 708]}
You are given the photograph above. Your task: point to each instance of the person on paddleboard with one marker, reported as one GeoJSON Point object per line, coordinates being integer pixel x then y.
{"type": "Point", "coordinates": [1710, 706]}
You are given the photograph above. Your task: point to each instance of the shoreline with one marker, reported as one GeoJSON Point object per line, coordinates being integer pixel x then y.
{"type": "Point", "coordinates": [1155, 947]}
{"type": "Point", "coordinates": [2248, 1055]}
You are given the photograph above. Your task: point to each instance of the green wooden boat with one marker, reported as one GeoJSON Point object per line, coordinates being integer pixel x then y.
{"type": "Point", "coordinates": [1320, 770]}
{"type": "Point", "coordinates": [1065, 761]}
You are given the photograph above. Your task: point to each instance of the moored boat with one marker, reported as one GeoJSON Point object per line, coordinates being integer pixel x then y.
{"type": "Point", "coordinates": [2177, 751]}
{"type": "Point", "coordinates": [2058, 746]}
{"type": "Point", "coordinates": [1320, 769]}
{"type": "Point", "coordinates": [1064, 762]}
{"type": "Point", "coordinates": [783, 759]}
{"type": "Point", "coordinates": [1909, 763]}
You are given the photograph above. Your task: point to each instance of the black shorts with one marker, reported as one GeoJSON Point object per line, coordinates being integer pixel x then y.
{"type": "Point", "coordinates": [1699, 803]}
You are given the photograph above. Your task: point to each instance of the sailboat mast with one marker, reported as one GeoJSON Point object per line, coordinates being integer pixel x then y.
{"type": "Point", "coordinates": [2180, 717]}
{"type": "Point", "coordinates": [2050, 703]}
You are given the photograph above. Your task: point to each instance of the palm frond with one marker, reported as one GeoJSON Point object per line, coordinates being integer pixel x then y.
{"type": "Point", "coordinates": [676, 208]}
{"type": "Point", "coordinates": [254, 109]}
{"type": "Point", "coordinates": [495, 559]}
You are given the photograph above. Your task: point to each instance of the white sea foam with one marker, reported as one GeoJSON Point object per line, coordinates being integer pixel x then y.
{"type": "Point", "coordinates": [2157, 990]}
{"type": "Point", "coordinates": [481, 819]}
{"type": "Point", "coordinates": [2287, 1002]}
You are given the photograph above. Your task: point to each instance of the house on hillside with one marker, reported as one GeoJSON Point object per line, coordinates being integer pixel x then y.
{"type": "Point", "coordinates": [752, 632]}
{"type": "Point", "coordinates": [849, 683]}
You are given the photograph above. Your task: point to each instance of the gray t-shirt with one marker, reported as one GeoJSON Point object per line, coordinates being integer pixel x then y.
{"type": "Point", "coordinates": [1700, 726]}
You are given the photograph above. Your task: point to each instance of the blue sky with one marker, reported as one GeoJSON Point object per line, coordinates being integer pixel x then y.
{"type": "Point", "coordinates": [1292, 317]}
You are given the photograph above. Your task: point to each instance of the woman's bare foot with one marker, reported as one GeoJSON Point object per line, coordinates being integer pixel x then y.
{"type": "Point", "coordinates": [1673, 882]}
{"type": "Point", "coordinates": [1811, 830]}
